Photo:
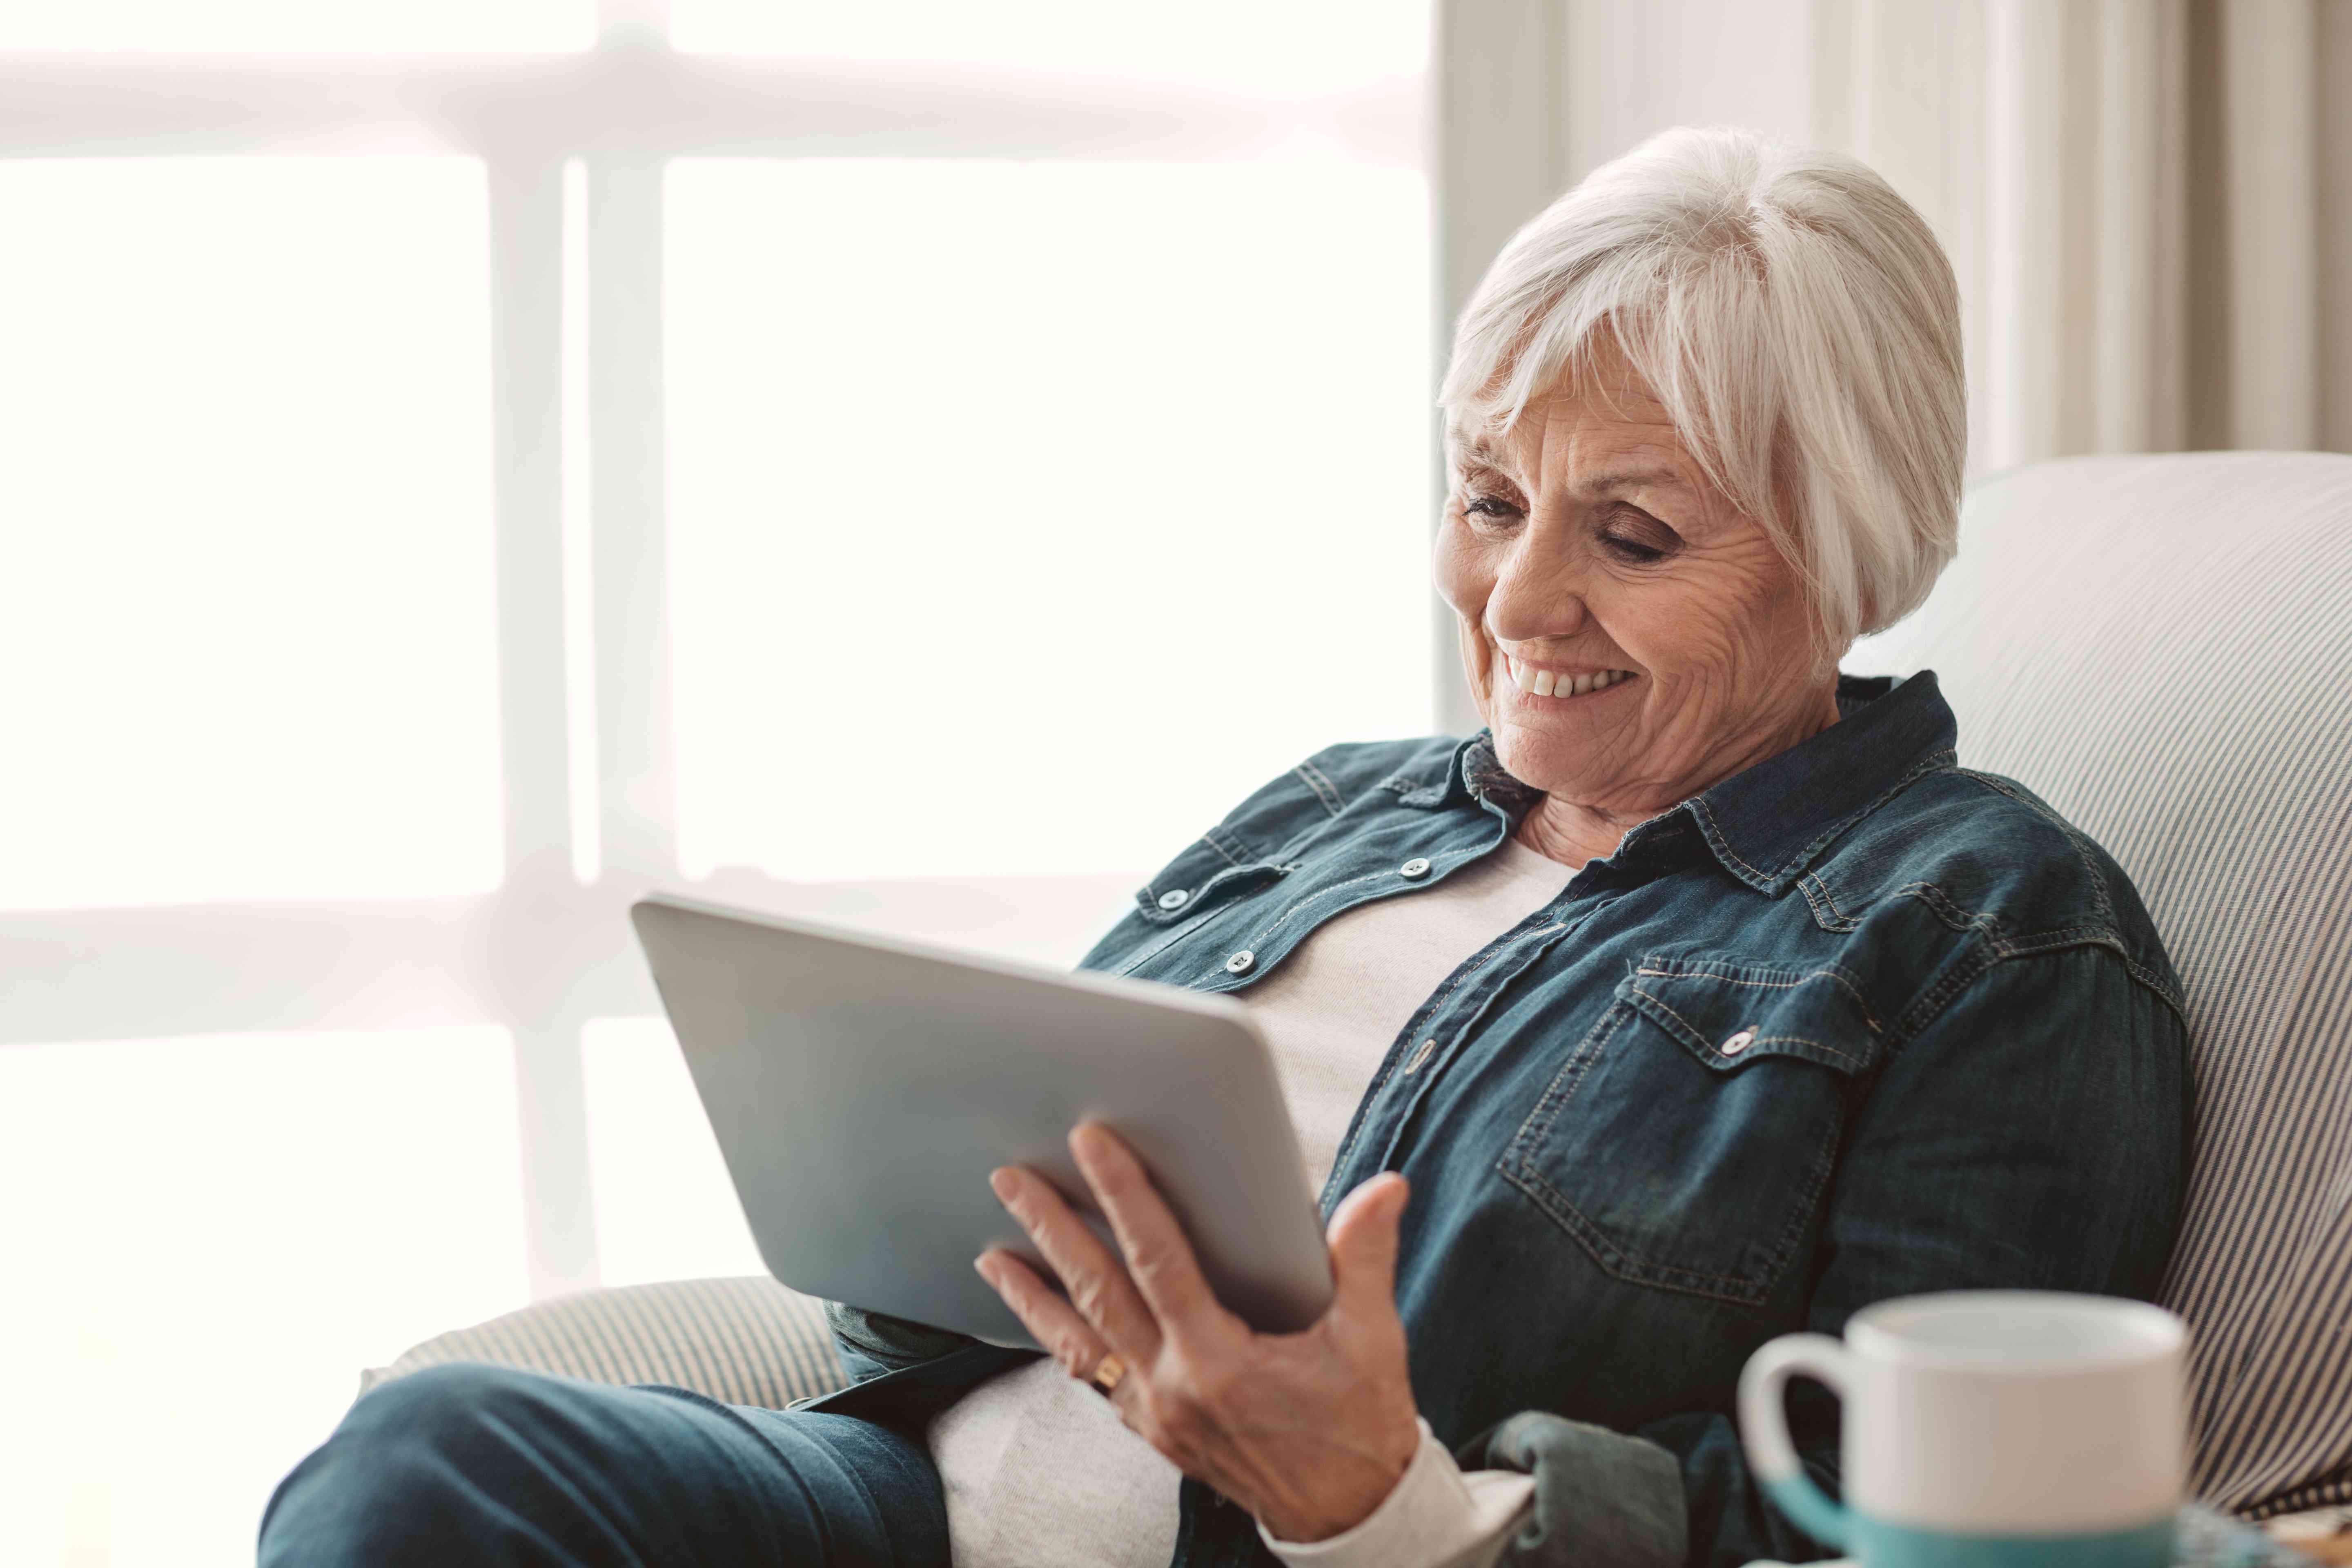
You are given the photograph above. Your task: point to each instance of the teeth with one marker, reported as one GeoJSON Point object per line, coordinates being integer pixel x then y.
{"type": "Point", "coordinates": [1546, 683]}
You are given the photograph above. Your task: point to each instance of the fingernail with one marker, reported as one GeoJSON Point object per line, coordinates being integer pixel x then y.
{"type": "Point", "coordinates": [1000, 1181]}
{"type": "Point", "coordinates": [979, 1267]}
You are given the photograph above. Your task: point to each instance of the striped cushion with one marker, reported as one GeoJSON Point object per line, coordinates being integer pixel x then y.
{"type": "Point", "coordinates": [743, 1341]}
{"type": "Point", "coordinates": [2162, 649]}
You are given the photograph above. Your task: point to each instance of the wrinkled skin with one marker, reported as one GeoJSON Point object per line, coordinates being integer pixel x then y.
{"type": "Point", "coordinates": [1586, 539]}
{"type": "Point", "coordinates": [1590, 538]}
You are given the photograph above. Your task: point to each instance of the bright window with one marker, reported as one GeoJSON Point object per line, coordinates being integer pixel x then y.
{"type": "Point", "coordinates": [1059, 504]}
{"type": "Point", "coordinates": [207, 1240]}
{"type": "Point", "coordinates": [247, 645]}
{"type": "Point", "coordinates": [221, 27]}
{"type": "Point", "coordinates": [665, 1208]}
{"type": "Point", "coordinates": [459, 472]}
{"type": "Point", "coordinates": [1283, 47]}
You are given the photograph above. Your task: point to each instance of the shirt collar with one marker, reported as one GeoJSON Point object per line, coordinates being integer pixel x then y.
{"type": "Point", "coordinates": [1766, 824]}
{"type": "Point", "coordinates": [1473, 773]}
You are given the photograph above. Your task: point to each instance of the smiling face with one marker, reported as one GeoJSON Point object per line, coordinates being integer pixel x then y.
{"type": "Point", "coordinates": [1629, 636]}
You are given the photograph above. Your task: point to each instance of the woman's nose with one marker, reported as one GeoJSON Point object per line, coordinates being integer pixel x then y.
{"type": "Point", "coordinates": [1539, 594]}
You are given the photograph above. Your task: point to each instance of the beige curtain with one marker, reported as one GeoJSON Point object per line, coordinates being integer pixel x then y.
{"type": "Point", "coordinates": [2149, 202]}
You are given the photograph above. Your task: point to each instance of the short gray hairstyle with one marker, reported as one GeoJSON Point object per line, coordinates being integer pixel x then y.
{"type": "Point", "coordinates": [1796, 317]}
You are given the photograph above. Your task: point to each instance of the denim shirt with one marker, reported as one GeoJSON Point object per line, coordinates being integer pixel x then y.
{"type": "Point", "coordinates": [1854, 1023]}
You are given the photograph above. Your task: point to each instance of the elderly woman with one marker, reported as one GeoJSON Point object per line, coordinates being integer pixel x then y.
{"type": "Point", "coordinates": [1701, 996]}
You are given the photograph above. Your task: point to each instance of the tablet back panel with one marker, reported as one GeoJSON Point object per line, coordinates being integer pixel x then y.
{"type": "Point", "coordinates": [862, 1089]}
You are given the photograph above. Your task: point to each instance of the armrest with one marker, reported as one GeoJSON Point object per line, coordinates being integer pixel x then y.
{"type": "Point", "coordinates": [741, 1341]}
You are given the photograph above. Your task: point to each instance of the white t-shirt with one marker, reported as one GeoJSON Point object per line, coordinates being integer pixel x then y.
{"type": "Point", "coordinates": [1039, 1470]}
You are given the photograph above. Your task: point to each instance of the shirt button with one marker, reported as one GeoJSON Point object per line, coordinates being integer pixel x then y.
{"type": "Point", "coordinates": [1173, 898]}
{"type": "Point", "coordinates": [1419, 1055]}
{"type": "Point", "coordinates": [1413, 869]}
{"type": "Point", "coordinates": [1239, 963]}
{"type": "Point", "coordinates": [1739, 1042]}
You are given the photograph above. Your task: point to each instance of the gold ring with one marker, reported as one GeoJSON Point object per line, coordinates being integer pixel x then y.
{"type": "Point", "coordinates": [1107, 1373]}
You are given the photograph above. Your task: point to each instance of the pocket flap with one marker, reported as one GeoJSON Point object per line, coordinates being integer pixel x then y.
{"type": "Point", "coordinates": [1728, 1011]}
{"type": "Point", "coordinates": [1213, 866]}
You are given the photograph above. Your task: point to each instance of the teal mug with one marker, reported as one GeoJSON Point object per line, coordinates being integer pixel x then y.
{"type": "Point", "coordinates": [1986, 1430]}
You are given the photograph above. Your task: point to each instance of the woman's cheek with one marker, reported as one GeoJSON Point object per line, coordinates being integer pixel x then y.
{"type": "Point", "coordinates": [1477, 670]}
{"type": "Point", "coordinates": [1462, 583]}
{"type": "Point", "coordinates": [1464, 578]}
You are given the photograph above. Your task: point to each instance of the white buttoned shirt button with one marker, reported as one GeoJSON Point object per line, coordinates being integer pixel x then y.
{"type": "Point", "coordinates": [1239, 963]}
{"type": "Point", "coordinates": [1413, 869]}
{"type": "Point", "coordinates": [1173, 898]}
{"type": "Point", "coordinates": [1419, 1055]}
{"type": "Point", "coordinates": [1739, 1042]}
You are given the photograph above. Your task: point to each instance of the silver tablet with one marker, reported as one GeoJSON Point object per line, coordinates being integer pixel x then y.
{"type": "Point", "coordinates": [862, 1089]}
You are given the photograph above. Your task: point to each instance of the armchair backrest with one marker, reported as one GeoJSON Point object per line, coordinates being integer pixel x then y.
{"type": "Point", "coordinates": [2161, 647]}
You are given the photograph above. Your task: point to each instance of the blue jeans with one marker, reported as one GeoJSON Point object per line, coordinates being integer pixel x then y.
{"type": "Point", "coordinates": [472, 1464]}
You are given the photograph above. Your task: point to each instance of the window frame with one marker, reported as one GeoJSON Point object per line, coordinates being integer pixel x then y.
{"type": "Point", "coordinates": [547, 950]}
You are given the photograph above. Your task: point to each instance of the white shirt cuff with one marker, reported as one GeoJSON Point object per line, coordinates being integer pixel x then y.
{"type": "Point", "coordinates": [1437, 1517]}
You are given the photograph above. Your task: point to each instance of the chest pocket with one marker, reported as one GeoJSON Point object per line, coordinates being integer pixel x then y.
{"type": "Point", "coordinates": [1686, 1141]}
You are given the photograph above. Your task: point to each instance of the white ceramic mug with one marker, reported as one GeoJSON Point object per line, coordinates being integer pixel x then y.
{"type": "Point", "coordinates": [1986, 1430]}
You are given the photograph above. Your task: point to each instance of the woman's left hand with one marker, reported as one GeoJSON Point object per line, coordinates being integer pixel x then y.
{"type": "Point", "coordinates": [1308, 1431]}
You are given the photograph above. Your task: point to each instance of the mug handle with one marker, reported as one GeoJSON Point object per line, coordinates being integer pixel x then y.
{"type": "Point", "coordinates": [1764, 1428]}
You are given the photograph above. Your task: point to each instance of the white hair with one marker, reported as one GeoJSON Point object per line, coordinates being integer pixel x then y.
{"type": "Point", "coordinates": [1796, 317]}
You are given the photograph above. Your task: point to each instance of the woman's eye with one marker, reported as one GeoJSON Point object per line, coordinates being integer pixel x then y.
{"type": "Point", "coordinates": [1636, 537]}
{"type": "Point", "coordinates": [1632, 550]}
{"type": "Point", "coordinates": [1493, 506]}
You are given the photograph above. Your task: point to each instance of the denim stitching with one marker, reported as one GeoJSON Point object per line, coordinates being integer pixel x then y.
{"type": "Point", "coordinates": [1425, 1015]}
{"type": "Point", "coordinates": [1216, 838]}
{"type": "Point", "coordinates": [1824, 1159]}
{"type": "Point", "coordinates": [2042, 943]}
{"type": "Point", "coordinates": [1325, 790]}
{"type": "Point", "coordinates": [1701, 1035]}
{"type": "Point", "coordinates": [2039, 944]}
{"type": "Point", "coordinates": [1715, 839]}
{"type": "Point", "coordinates": [1268, 931]}
{"type": "Point", "coordinates": [1616, 1259]}
{"type": "Point", "coordinates": [1400, 785]}
{"type": "Point", "coordinates": [1932, 763]}
{"type": "Point", "coordinates": [1310, 899]}
{"type": "Point", "coordinates": [1710, 969]}
{"type": "Point", "coordinates": [2073, 838]}
{"type": "Point", "coordinates": [1837, 919]}
{"type": "Point", "coordinates": [1170, 936]}
{"type": "Point", "coordinates": [1697, 1033]}
{"type": "Point", "coordinates": [1859, 1062]}
{"type": "Point", "coordinates": [1499, 947]}
{"type": "Point", "coordinates": [1950, 913]}
{"type": "Point", "coordinates": [1566, 1082]}
{"type": "Point", "coordinates": [1930, 1004]}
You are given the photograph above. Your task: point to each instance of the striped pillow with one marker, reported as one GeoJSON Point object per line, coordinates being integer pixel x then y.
{"type": "Point", "coordinates": [2162, 649]}
{"type": "Point", "coordinates": [741, 1341]}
